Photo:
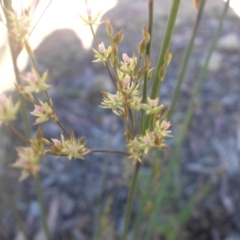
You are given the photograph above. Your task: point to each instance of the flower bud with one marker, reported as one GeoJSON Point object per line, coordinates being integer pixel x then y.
{"type": "Point", "coordinates": [101, 48]}
{"type": "Point", "coordinates": [8, 110]}
{"type": "Point", "coordinates": [109, 28]}
{"type": "Point", "coordinates": [126, 58]}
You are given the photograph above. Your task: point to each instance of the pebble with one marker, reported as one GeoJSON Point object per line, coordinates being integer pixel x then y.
{"type": "Point", "coordinates": [229, 43]}
{"type": "Point", "coordinates": [233, 237]}
{"type": "Point", "coordinates": [215, 62]}
{"type": "Point", "coordinates": [230, 101]}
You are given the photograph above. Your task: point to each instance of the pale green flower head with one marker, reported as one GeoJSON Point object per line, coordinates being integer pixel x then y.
{"type": "Point", "coordinates": [8, 110]}
{"type": "Point", "coordinates": [102, 55]}
{"type": "Point", "coordinates": [44, 112]}
{"type": "Point", "coordinates": [35, 83]}
{"type": "Point", "coordinates": [152, 106]}
{"type": "Point", "coordinates": [73, 148]}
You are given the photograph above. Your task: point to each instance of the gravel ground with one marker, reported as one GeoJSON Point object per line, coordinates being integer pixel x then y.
{"type": "Point", "coordinates": [211, 149]}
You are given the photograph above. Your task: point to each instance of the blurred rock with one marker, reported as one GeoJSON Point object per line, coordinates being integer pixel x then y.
{"type": "Point", "coordinates": [68, 205]}
{"type": "Point", "coordinates": [215, 62]}
{"type": "Point", "coordinates": [233, 237]}
{"type": "Point", "coordinates": [229, 43]}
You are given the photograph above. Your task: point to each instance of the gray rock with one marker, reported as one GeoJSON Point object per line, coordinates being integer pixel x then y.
{"type": "Point", "coordinates": [229, 101]}
{"type": "Point", "coordinates": [215, 62]}
{"type": "Point", "coordinates": [229, 43]}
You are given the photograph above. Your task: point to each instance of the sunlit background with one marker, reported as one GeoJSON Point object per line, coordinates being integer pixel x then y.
{"type": "Point", "coordinates": [60, 14]}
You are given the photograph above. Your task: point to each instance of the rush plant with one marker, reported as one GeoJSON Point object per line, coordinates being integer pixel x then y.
{"type": "Point", "coordinates": [146, 120]}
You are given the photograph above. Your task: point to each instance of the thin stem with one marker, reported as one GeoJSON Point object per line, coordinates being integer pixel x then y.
{"type": "Point", "coordinates": [172, 163]}
{"type": "Point", "coordinates": [148, 51]}
{"type": "Point", "coordinates": [132, 121]}
{"type": "Point", "coordinates": [62, 127]}
{"type": "Point", "coordinates": [130, 201]}
{"type": "Point", "coordinates": [39, 17]}
{"type": "Point", "coordinates": [105, 64]}
{"type": "Point", "coordinates": [110, 74]}
{"type": "Point", "coordinates": [200, 79]}
{"type": "Point", "coordinates": [57, 121]}
{"type": "Point", "coordinates": [94, 36]}
{"type": "Point", "coordinates": [108, 151]}
{"type": "Point", "coordinates": [7, 5]}
{"type": "Point", "coordinates": [165, 46]}
{"type": "Point", "coordinates": [19, 134]}
{"type": "Point", "coordinates": [186, 59]}
{"type": "Point", "coordinates": [41, 202]}
{"type": "Point", "coordinates": [15, 210]}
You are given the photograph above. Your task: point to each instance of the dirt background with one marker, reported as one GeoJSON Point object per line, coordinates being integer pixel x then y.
{"type": "Point", "coordinates": [211, 149]}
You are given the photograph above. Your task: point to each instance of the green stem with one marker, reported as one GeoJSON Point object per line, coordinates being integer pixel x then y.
{"type": "Point", "coordinates": [41, 202]}
{"type": "Point", "coordinates": [165, 46]}
{"type": "Point", "coordinates": [148, 51]}
{"type": "Point", "coordinates": [7, 5]}
{"type": "Point", "coordinates": [5, 192]}
{"type": "Point", "coordinates": [172, 163]}
{"type": "Point", "coordinates": [108, 151]}
{"type": "Point", "coordinates": [200, 80]}
{"type": "Point", "coordinates": [9, 125]}
{"type": "Point", "coordinates": [186, 59]}
{"type": "Point", "coordinates": [130, 201]}
{"type": "Point", "coordinates": [144, 200]}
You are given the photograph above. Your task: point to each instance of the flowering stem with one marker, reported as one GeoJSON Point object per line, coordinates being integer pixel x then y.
{"type": "Point", "coordinates": [17, 132]}
{"type": "Point", "coordinates": [94, 36]}
{"type": "Point", "coordinates": [41, 201]}
{"type": "Point", "coordinates": [165, 46]}
{"type": "Point", "coordinates": [109, 73]}
{"type": "Point", "coordinates": [186, 59]}
{"type": "Point", "coordinates": [148, 51]}
{"type": "Point", "coordinates": [6, 192]}
{"type": "Point", "coordinates": [39, 17]}
{"type": "Point", "coordinates": [56, 120]}
{"type": "Point", "coordinates": [130, 200]}
{"type": "Point", "coordinates": [173, 161]}
{"type": "Point", "coordinates": [62, 127]}
{"type": "Point", "coordinates": [109, 151]}
{"type": "Point", "coordinates": [7, 5]}
{"type": "Point", "coordinates": [105, 63]}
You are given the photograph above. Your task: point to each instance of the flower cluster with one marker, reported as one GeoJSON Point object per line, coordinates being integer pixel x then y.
{"type": "Point", "coordinates": [71, 148]}
{"type": "Point", "coordinates": [34, 82]}
{"type": "Point", "coordinates": [44, 112]}
{"type": "Point", "coordinates": [127, 100]}
{"type": "Point", "coordinates": [29, 157]}
{"type": "Point", "coordinates": [89, 19]}
{"type": "Point", "coordinates": [8, 110]}
{"type": "Point", "coordinates": [141, 145]}
{"type": "Point", "coordinates": [19, 25]}
{"type": "Point", "coordinates": [102, 55]}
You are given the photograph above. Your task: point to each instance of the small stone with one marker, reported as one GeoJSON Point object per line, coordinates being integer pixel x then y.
{"type": "Point", "coordinates": [229, 43]}
{"type": "Point", "coordinates": [229, 101]}
{"type": "Point", "coordinates": [215, 62]}
{"type": "Point", "coordinates": [67, 205]}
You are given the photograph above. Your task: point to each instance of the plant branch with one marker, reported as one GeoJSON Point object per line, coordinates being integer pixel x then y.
{"type": "Point", "coordinates": [186, 59]}
{"type": "Point", "coordinates": [148, 51]}
{"type": "Point", "coordinates": [165, 46]}
{"type": "Point", "coordinates": [19, 134]}
{"type": "Point", "coordinates": [108, 151]}
{"type": "Point", "coordinates": [130, 201]}
{"type": "Point", "coordinates": [41, 201]}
